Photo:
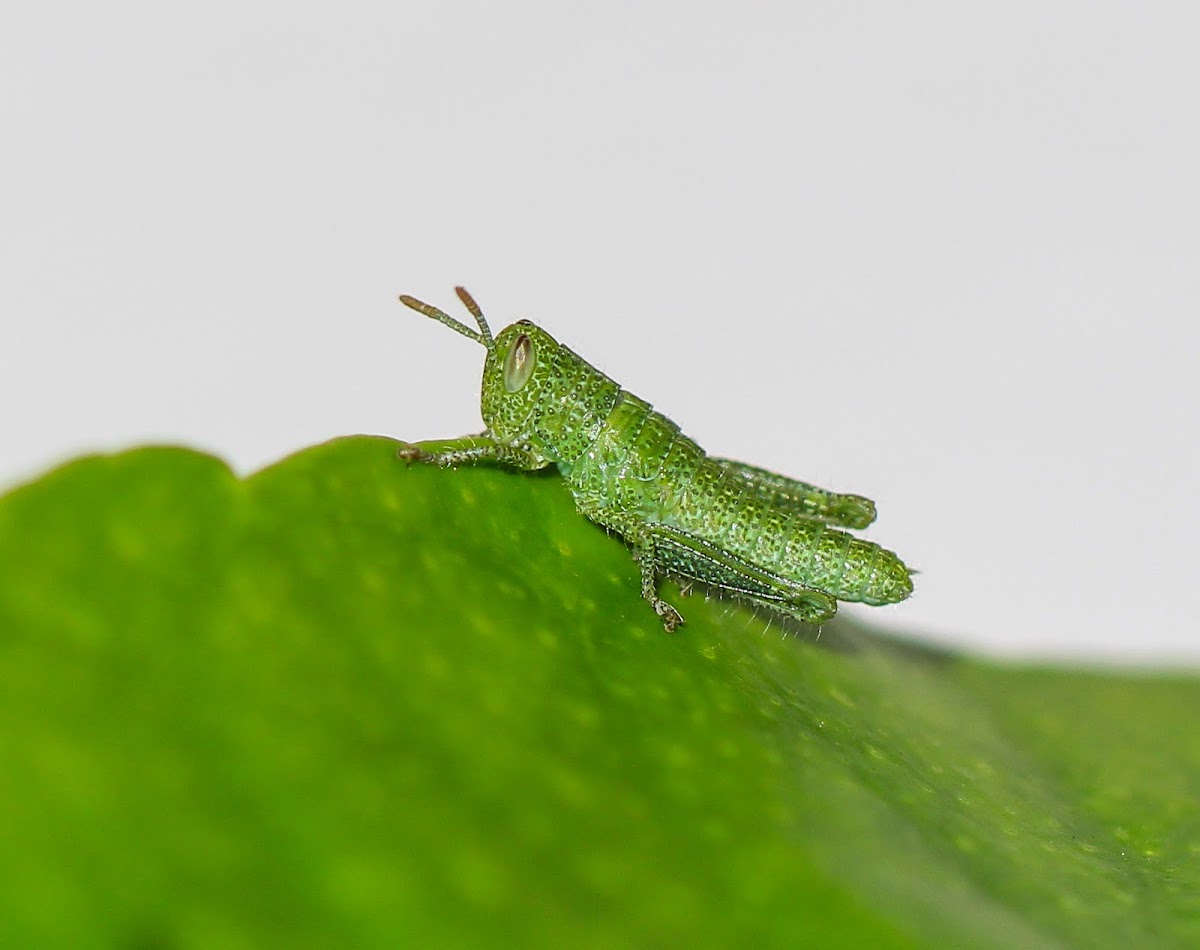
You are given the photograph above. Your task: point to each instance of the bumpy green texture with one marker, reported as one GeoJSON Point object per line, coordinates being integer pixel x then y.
{"type": "Point", "coordinates": [349, 703]}
{"type": "Point", "coordinates": [763, 537]}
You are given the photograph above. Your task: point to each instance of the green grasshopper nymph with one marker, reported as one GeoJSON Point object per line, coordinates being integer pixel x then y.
{"type": "Point", "coordinates": [760, 536]}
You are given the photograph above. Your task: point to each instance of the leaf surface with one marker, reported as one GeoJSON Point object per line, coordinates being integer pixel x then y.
{"type": "Point", "coordinates": [348, 702]}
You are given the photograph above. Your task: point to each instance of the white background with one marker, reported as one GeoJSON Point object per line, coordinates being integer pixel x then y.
{"type": "Point", "coordinates": [943, 254]}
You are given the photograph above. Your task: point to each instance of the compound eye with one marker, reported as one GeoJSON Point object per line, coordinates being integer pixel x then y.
{"type": "Point", "coordinates": [518, 364]}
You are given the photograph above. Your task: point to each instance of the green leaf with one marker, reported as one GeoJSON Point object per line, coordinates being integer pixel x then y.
{"type": "Point", "coordinates": [346, 702]}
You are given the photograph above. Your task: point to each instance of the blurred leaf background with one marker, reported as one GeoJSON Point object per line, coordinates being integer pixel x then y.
{"type": "Point", "coordinates": [346, 702]}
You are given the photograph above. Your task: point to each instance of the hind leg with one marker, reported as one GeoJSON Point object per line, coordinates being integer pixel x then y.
{"type": "Point", "coordinates": [810, 606]}
{"type": "Point", "coordinates": [847, 511]}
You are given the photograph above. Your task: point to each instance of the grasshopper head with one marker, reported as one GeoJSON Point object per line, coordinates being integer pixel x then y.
{"type": "Point", "coordinates": [518, 363]}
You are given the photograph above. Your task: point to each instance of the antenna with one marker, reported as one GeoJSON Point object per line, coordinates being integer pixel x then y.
{"type": "Point", "coordinates": [484, 334]}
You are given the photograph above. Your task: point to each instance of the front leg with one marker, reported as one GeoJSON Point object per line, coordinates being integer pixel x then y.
{"type": "Point", "coordinates": [469, 449]}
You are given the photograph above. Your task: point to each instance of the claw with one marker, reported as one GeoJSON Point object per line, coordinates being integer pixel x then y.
{"type": "Point", "coordinates": [671, 617]}
{"type": "Point", "coordinates": [408, 452]}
